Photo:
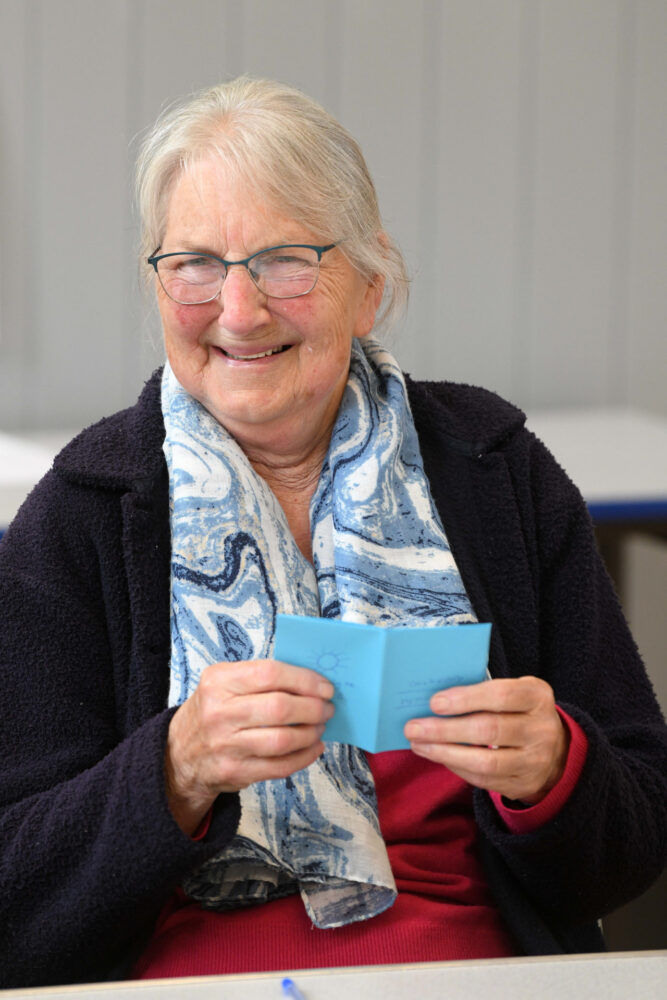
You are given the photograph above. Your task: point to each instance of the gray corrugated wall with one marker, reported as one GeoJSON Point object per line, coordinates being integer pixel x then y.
{"type": "Point", "coordinates": [518, 147]}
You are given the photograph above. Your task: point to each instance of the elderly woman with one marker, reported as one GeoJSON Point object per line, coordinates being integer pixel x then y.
{"type": "Point", "coordinates": [168, 805]}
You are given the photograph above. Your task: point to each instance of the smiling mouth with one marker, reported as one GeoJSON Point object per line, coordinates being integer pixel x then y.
{"type": "Point", "coordinates": [255, 357]}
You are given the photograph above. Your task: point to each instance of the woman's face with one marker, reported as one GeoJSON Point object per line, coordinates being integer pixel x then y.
{"type": "Point", "coordinates": [280, 402]}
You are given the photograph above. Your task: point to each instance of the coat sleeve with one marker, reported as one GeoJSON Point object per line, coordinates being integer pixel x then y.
{"type": "Point", "coordinates": [89, 849]}
{"type": "Point", "coordinates": [609, 841]}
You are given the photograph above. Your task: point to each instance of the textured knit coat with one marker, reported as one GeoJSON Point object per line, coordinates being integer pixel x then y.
{"type": "Point", "coordinates": [89, 850]}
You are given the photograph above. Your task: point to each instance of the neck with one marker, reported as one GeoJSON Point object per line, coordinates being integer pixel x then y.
{"type": "Point", "coordinates": [293, 480]}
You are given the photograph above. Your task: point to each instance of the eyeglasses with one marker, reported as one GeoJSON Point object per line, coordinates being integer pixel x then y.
{"type": "Point", "coordinates": [283, 272]}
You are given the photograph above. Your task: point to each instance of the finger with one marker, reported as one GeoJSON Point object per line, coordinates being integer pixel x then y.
{"type": "Point", "coordinates": [526, 772]}
{"type": "Point", "coordinates": [227, 758]}
{"type": "Point", "coordinates": [505, 771]}
{"type": "Point", "coordinates": [249, 676]}
{"type": "Point", "coordinates": [502, 694]}
{"type": "Point", "coordinates": [486, 729]}
{"type": "Point", "coordinates": [237, 775]}
{"type": "Point", "coordinates": [276, 741]}
{"type": "Point", "coordinates": [276, 708]}
{"type": "Point", "coordinates": [491, 770]}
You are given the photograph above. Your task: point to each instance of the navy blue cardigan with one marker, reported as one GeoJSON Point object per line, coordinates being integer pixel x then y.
{"type": "Point", "coordinates": [88, 847]}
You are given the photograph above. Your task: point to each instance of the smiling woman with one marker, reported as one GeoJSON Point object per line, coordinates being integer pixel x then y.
{"type": "Point", "coordinates": [167, 804]}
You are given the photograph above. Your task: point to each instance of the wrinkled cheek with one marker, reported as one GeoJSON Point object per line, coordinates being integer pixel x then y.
{"type": "Point", "coordinates": [183, 326]}
{"type": "Point", "coordinates": [182, 318]}
{"type": "Point", "coordinates": [191, 320]}
{"type": "Point", "coordinates": [297, 312]}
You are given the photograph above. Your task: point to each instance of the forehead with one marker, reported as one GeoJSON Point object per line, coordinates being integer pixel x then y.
{"type": "Point", "coordinates": [209, 207]}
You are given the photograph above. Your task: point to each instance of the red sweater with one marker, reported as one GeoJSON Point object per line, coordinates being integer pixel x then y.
{"type": "Point", "coordinates": [444, 909]}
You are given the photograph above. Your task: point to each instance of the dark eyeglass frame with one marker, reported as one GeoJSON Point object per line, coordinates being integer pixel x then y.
{"type": "Point", "coordinates": [155, 259]}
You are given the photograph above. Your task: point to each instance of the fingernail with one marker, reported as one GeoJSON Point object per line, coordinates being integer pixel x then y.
{"type": "Point", "coordinates": [414, 730]}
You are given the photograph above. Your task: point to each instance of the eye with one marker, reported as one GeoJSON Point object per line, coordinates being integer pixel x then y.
{"type": "Point", "coordinates": [193, 262]}
{"type": "Point", "coordinates": [200, 269]}
{"type": "Point", "coordinates": [284, 262]}
{"type": "Point", "coordinates": [288, 258]}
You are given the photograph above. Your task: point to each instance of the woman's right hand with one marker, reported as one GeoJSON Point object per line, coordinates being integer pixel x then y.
{"type": "Point", "coordinates": [245, 722]}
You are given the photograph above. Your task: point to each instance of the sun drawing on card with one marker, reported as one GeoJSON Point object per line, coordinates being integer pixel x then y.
{"type": "Point", "coordinates": [330, 662]}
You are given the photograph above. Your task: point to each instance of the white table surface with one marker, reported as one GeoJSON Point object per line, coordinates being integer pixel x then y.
{"type": "Point", "coordinates": [613, 976]}
{"type": "Point", "coordinates": [613, 455]}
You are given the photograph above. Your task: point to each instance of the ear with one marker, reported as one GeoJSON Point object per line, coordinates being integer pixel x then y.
{"type": "Point", "coordinates": [372, 297]}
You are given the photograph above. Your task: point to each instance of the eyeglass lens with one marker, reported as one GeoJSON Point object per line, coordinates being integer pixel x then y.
{"type": "Point", "coordinates": [284, 273]}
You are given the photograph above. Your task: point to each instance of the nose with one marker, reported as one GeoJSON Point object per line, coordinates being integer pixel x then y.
{"type": "Point", "coordinates": [243, 305]}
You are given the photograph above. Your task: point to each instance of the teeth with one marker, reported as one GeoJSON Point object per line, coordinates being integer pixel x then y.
{"type": "Point", "coordinates": [253, 357]}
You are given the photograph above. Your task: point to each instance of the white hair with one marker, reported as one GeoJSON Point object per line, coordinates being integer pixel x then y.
{"type": "Point", "coordinates": [289, 152]}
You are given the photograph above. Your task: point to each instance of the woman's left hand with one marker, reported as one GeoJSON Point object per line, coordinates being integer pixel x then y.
{"type": "Point", "coordinates": [503, 735]}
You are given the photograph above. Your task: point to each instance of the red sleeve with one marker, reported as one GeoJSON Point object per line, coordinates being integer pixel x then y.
{"type": "Point", "coordinates": [531, 818]}
{"type": "Point", "coordinates": [203, 827]}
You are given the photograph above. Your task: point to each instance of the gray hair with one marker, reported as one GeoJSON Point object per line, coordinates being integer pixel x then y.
{"type": "Point", "coordinates": [289, 152]}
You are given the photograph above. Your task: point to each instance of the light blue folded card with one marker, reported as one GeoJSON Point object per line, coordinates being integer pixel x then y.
{"type": "Point", "coordinates": [383, 676]}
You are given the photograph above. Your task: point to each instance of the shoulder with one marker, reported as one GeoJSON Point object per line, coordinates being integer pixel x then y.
{"type": "Point", "coordinates": [466, 424]}
{"type": "Point", "coordinates": [481, 425]}
{"type": "Point", "coordinates": [121, 451]}
{"type": "Point", "coordinates": [468, 418]}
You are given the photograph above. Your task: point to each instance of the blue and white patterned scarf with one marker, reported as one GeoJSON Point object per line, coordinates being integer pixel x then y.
{"type": "Point", "coordinates": [380, 556]}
